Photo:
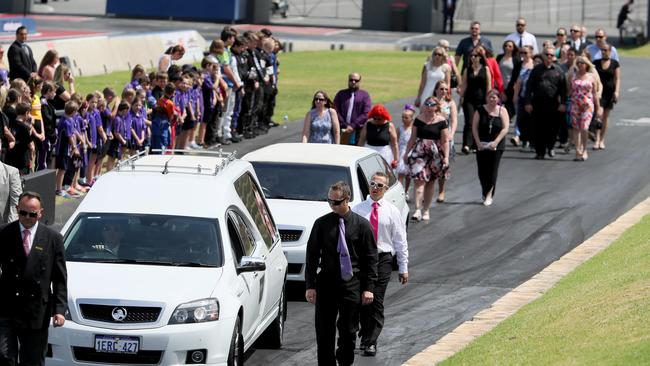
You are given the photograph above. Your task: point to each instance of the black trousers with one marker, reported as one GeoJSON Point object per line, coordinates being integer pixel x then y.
{"type": "Point", "coordinates": [247, 112]}
{"type": "Point", "coordinates": [524, 122]}
{"type": "Point", "coordinates": [546, 124]}
{"type": "Point", "coordinates": [372, 315]}
{"type": "Point", "coordinates": [212, 128]}
{"type": "Point", "coordinates": [448, 16]}
{"type": "Point", "coordinates": [488, 169]}
{"type": "Point", "coordinates": [343, 299]}
{"type": "Point", "coordinates": [468, 111]}
{"type": "Point", "coordinates": [27, 345]}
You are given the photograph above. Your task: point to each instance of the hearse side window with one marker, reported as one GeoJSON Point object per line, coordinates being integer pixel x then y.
{"type": "Point", "coordinates": [253, 199]}
{"type": "Point", "coordinates": [241, 239]}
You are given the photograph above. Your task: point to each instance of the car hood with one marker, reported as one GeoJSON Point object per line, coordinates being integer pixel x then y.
{"type": "Point", "coordinates": [135, 282]}
{"type": "Point", "coordinates": [294, 213]}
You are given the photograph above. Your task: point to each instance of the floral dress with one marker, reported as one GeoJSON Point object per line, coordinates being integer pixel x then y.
{"type": "Point", "coordinates": [426, 158]}
{"type": "Point", "coordinates": [320, 131]}
{"type": "Point", "coordinates": [582, 103]}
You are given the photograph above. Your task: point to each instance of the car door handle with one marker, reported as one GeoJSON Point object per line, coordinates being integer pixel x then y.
{"type": "Point", "coordinates": [279, 268]}
{"type": "Point", "coordinates": [255, 274]}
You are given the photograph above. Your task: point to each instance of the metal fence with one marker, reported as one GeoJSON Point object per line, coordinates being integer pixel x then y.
{"type": "Point", "coordinates": [552, 12]}
{"type": "Point", "coordinates": [339, 9]}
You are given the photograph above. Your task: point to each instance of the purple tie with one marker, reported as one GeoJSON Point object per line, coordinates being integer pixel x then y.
{"type": "Point", "coordinates": [344, 254]}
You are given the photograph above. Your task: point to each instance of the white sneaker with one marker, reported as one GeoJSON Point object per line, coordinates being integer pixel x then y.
{"type": "Point", "coordinates": [487, 202]}
{"type": "Point", "coordinates": [417, 215]}
{"type": "Point", "coordinates": [194, 145]}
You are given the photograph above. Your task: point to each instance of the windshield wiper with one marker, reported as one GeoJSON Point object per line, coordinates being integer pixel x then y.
{"type": "Point", "coordinates": [155, 263]}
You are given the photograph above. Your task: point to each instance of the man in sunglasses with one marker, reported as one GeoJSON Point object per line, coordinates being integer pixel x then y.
{"type": "Point", "coordinates": [352, 106]}
{"type": "Point", "coordinates": [10, 190]}
{"type": "Point", "coordinates": [521, 37]}
{"type": "Point", "coordinates": [594, 49]}
{"type": "Point", "coordinates": [33, 284]}
{"type": "Point", "coordinates": [343, 247]}
{"type": "Point", "coordinates": [389, 231]}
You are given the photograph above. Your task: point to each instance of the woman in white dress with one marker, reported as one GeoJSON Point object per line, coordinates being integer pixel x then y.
{"type": "Point", "coordinates": [403, 137]}
{"type": "Point", "coordinates": [434, 70]}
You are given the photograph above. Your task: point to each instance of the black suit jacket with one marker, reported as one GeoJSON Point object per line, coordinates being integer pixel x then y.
{"type": "Point", "coordinates": [21, 64]}
{"type": "Point", "coordinates": [27, 299]}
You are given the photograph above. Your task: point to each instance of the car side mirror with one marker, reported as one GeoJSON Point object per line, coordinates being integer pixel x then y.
{"type": "Point", "coordinates": [251, 264]}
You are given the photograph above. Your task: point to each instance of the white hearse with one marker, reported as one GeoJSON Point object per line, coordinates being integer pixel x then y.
{"type": "Point", "coordinates": [172, 260]}
{"type": "Point", "coordinates": [295, 178]}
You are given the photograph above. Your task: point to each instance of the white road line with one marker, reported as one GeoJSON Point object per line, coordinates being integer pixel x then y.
{"type": "Point", "coordinates": [407, 39]}
{"type": "Point", "coordinates": [632, 90]}
{"type": "Point", "coordinates": [643, 121]}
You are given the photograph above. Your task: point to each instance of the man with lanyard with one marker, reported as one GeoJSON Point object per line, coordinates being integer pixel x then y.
{"type": "Point", "coordinates": [352, 106]}
{"type": "Point", "coordinates": [466, 45]}
{"type": "Point", "coordinates": [521, 37]}
{"type": "Point", "coordinates": [389, 230]}
{"type": "Point", "coordinates": [546, 93]}
{"type": "Point", "coordinates": [342, 246]}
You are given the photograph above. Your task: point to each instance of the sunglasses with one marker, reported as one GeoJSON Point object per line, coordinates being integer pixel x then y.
{"type": "Point", "coordinates": [574, 31]}
{"type": "Point", "coordinates": [521, 25]}
{"type": "Point", "coordinates": [604, 50]}
{"type": "Point", "coordinates": [374, 184]}
{"type": "Point", "coordinates": [430, 103]}
{"type": "Point", "coordinates": [476, 56]}
{"type": "Point", "coordinates": [580, 63]}
{"type": "Point", "coordinates": [549, 55]}
{"type": "Point", "coordinates": [438, 54]}
{"type": "Point", "coordinates": [319, 99]}
{"type": "Point", "coordinates": [443, 89]}
{"type": "Point", "coordinates": [354, 80]}
{"type": "Point", "coordinates": [33, 214]}
{"type": "Point", "coordinates": [335, 202]}
{"type": "Point", "coordinates": [560, 34]}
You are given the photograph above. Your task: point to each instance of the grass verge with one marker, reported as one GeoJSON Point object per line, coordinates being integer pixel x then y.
{"type": "Point", "coordinates": [597, 315]}
{"type": "Point", "coordinates": [385, 75]}
{"type": "Point", "coordinates": [635, 51]}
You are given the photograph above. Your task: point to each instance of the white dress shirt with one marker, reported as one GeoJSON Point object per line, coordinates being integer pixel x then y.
{"type": "Point", "coordinates": [391, 230]}
{"type": "Point", "coordinates": [32, 232]}
{"type": "Point", "coordinates": [527, 39]}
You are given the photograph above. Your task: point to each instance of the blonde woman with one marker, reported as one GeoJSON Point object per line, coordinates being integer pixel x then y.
{"type": "Point", "coordinates": [434, 70]}
{"type": "Point", "coordinates": [584, 103]}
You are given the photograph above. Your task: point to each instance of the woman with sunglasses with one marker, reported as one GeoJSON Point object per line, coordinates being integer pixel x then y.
{"type": "Point", "coordinates": [523, 124]}
{"type": "Point", "coordinates": [509, 61]}
{"type": "Point", "coordinates": [609, 71]}
{"type": "Point", "coordinates": [490, 125]}
{"type": "Point", "coordinates": [584, 102]}
{"type": "Point", "coordinates": [321, 122]}
{"type": "Point", "coordinates": [428, 155]}
{"type": "Point", "coordinates": [379, 134]}
{"type": "Point", "coordinates": [434, 70]}
{"type": "Point", "coordinates": [450, 111]}
{"type": "Point", "coordinates": [477, 81]}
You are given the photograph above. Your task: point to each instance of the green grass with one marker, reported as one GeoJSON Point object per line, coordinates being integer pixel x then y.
{"type": "Point", "coordinates": [636, 51]}
{"type": "Point", "coordinates": [597, 315]}
{"type": "Point", "coordinates": [385, 75]}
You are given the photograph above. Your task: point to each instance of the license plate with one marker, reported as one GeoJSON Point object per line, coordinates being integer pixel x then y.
{"type": "Point", "coordinates": [117, 344]}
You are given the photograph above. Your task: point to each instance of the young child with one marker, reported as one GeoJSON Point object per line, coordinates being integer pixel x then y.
{"type": "Point", "coordinates": [66, 146]}
{"type": "Point", "coordinates": [81, 126]}
{"type": "Point", "coordinates": [196, 98]}
{"type": "Point", "coordinates": [20, 156]}
{"type": "Point", "coordinates": [403, 137]}
{"type": "Point", "coordinates": [138, 127]}
{"type": "Point", "coordinates": [161, 121]}
{"type": "Point", "coordinates": [136, 74]}
{"type": "Point", "coordinates": [187, 120]}
{"type": "Point", "coordinates": [97, 138]}
{"type": "Point", "coordinates": [119, 142]}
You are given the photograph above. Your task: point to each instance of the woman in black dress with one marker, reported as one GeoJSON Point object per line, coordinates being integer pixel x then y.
{"type": "Point", "coordinates": [427, 155]}
{"type": "Point", "coordinates": [477, 81]}
{"type": "Point", "coordinates": [489, 127]}
{"type": "Point", "coordinates": [609, 71]}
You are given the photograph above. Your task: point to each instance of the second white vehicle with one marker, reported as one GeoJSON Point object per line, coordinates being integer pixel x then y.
{"type": "Point", "coordinates": [295, 178]}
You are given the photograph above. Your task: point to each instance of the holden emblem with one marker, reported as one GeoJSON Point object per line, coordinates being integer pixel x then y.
{"type": "Point", "coordinates": [119, 314]}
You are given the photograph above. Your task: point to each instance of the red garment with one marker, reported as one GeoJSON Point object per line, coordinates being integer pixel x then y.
{"type": "Point", "coordinates": [497, 80]}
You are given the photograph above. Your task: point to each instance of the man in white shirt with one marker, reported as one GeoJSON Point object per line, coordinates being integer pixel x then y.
{"type": "Point", "coordinates": [521, 37]}
{"type": "Point", "coordinates": [576, 41]}
{"type": "Point", "coordinates": [390, 233]}
{"type": "Point", "coordinates": [601, 41]}
{"type": "Point", "coordinates": [10, 189]}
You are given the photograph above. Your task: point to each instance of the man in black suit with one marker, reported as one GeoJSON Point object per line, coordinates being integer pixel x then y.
{"type": "Point", "coordinates": [448, 10]}
{"type": "Point", "coordinates": [342, 245]}
{"type": "Point", "coordinates": [32, 284]}
{"type": "Point", "coordinates": [21, 58]}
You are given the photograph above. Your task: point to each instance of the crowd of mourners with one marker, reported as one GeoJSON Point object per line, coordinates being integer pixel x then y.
{"type": "Point", "coordinates": [46, 123]}
{"type": "Point", "coordinates": [558, 94]}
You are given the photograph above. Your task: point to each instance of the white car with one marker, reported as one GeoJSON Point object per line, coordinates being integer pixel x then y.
{"type": "Point", "coordinates": [295, 178]}
{"type": "Point", "coordinates": [172, 260]}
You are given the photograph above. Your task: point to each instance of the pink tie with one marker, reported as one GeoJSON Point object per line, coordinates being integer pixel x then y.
{"type": "Point", "coordinates": [374, 218]}
{"type": "Point", "coordinates": [26, 235]}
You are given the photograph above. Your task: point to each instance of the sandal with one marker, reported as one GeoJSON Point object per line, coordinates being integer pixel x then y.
{"type": "Point", "coordinates": [417, 215]}
{"type": "Point", "coordinates": [441, 198]}
{"type": "Point", "coordinates": [425, 215]}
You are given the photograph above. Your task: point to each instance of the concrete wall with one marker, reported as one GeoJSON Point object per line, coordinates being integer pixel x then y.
{"type": "Point", "coordinates": [421, 15]}
{"type": "Point", "coordinates": [100, 55]}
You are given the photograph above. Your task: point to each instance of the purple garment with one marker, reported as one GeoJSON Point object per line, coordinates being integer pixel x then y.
{"type": "Point", "coordinates": [194, 101]}
{"type": "Point", "coordinates": [344, 254]}
{"type": "Point", "coordinates": [137, 123]}
{"type": "Point", "coordinates": [118, 126]}
{"type": "Point", "coordinates": [65, 130]}
{"type": "Point", "coordinates": [94, 122]}
{"type": "Point", "coordinates": [207, 90]}
{"type": "Point", "coordinates": [80, 127]}
{"type": "Point", "coordinates": [4, 77]}
{"type": "Point", "coordinates": [133, 84]}
{"type": "Point", "coordinates": [360, 109]}
{"type": "Point", "coordinates": [181, 99]}
{"type": "Point", "coordinates": [126, 127]}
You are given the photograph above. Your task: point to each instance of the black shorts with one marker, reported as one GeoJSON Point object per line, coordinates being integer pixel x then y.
{"type": "Point", "coordinates": [62, 162]}
{"type": "Point", "coordinates": [607, 101]}
{"type": "Point", "coordinates": [114, 149]}
{"type": "Point", "coordinates": [188, 124]}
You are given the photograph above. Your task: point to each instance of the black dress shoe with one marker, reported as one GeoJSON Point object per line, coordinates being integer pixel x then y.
{"type": "Point", "coordinates": [539, 157]}
{"type": "Point", "coordinates": [362, 347]}
{"type": "Point", "coordinates": [371, 351]}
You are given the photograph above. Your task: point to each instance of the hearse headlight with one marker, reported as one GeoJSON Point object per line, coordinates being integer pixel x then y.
{"type": "Point", "coordinates": [198, 311]}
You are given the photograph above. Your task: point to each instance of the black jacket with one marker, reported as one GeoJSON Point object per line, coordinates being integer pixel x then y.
{"type": "Point", "coordinates": [546, 85]}
{"type": "Point", "coordinates": [27, 298]}
{"type": "Point", "coordinates": [21, 64]}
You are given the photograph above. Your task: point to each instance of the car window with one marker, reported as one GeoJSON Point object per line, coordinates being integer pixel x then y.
{"type": "Point", "coordinates": [241, 238]}
{"type": "Point", "coordinates": [253, 199]}
{"type": "Point", "coordinates": [146, 239]}
{"type": "Point", "coordinates": [304, 182]}
{"type": "Point", "coordinates": [369, 166]}
{"type": "Point", "coordinates": [387, 170]}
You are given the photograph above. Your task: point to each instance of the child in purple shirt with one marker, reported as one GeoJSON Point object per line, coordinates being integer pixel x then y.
{"type": "Point", "coordinates": [97, 139]}
{"type": "Point", "coordinates": [118, 143]}
{"type": "Point", "coordinates": [66, 145]}
{"type": "Point", "coordinates": [183, 100]}
{"type": "Point", "coordinates": [138, 127]}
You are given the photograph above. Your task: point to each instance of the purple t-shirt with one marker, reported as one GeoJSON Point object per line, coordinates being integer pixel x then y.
{"type": "Point", "coordinates": [126, 127]}
{"type": "Point", "coordinates": [94, 122]}
{"type": "Point", "coordinates": [65, 130]}
{"type": "Point", "coordinates": [137, 122]}
{"type": "Point", "coordinates": [181, 99]}
{"type": "Point", "coordinates": [119, 125]}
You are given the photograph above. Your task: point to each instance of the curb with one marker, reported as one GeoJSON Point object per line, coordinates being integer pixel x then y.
{"type": "Point", "coordinates": [510, 303]}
